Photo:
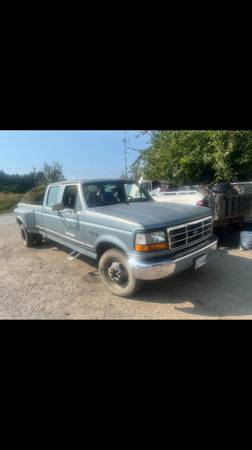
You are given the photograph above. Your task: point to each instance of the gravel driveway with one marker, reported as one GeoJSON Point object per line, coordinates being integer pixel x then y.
{"type": "Point", "coordinates": [40, 283]}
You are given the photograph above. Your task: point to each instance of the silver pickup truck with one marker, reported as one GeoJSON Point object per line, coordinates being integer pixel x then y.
{"type": "Point", "coordinates": [117, 223]}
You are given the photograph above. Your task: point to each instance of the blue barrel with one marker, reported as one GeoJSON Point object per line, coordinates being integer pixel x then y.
{"type": "Point", "coordinates": [246, 237]}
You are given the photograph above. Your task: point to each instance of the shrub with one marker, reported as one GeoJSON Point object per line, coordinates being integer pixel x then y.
{"type": "Point", "coordinates": [8, 201]}
{"type": "Point", "coordinates": [35, 196]}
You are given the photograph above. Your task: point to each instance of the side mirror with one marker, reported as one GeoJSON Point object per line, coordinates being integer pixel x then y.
{"type": "Point", "coordinates": [58, 207]}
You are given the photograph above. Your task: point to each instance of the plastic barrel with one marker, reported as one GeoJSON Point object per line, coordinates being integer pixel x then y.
{"type": "Point", "coordinates": [246, 238]}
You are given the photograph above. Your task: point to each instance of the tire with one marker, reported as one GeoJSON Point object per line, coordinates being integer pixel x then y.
{"type": "Point", "coordinates": [117, 275]}
{"type": "Point", "coordinates": [28, 238]}
{"type": "Point", "coordinates": [38, 239]}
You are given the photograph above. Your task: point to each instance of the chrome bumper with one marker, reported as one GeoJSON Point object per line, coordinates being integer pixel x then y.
{"type": "Point", "coordinates": [172, 266]}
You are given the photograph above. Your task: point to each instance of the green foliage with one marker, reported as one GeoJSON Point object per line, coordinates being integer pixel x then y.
{"type": "Point", "coordinates": [8, 201]}
{"type": "Point", "coordinates": [53, 172]}
{"type": "Point", "coordinates": [17, 183]}
{"type": "Point", "coordinates": [28, 188]}
{"type": "Point", "coordinates": [190, 157]}
{"type": "Point", "coordinates": [35, 196]}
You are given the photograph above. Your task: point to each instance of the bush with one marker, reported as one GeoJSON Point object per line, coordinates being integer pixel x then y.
{"type": "Point", "coordinates": [35, 196]}
{"type": "Point", "coordinates": [8, 201]}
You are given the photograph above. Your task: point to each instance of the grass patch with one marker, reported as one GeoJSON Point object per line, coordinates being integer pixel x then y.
{"type": "Point", "coordinates": [8, 201]}
{"type": "Point", "coordinates": [35, 196]}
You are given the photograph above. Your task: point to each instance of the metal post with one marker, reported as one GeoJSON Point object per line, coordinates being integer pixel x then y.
{"type": "Point", "coordinates": [125, 154]}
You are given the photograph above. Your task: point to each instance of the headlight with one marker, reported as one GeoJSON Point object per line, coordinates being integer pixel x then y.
{"type": "Point", "coordinates": [148, 242]}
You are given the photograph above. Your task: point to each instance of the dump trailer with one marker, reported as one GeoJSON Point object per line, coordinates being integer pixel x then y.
{"type": "Point", "coordinates": [230, 208]}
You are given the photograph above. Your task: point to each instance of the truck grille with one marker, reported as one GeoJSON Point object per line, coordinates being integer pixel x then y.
{"type": "Point", "coordinates": [189, 234]}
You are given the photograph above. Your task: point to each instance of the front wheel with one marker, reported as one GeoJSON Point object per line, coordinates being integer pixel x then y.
{"type": "Point", "coordinates": [117, 275]}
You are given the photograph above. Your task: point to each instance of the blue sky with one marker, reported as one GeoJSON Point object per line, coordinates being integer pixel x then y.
{"type": "Point", "coordinates": [83, 153]}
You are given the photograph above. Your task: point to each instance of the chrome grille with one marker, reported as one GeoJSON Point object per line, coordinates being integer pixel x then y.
{"type": "Point", "coordinates": [189, 234]}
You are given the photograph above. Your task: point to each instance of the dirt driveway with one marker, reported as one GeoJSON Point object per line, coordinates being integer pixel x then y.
{"type": "Point", "coordinates": [41, 283]}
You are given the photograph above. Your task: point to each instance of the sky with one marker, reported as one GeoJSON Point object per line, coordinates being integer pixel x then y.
{"type": "Point", "coordinates": [84, 154]}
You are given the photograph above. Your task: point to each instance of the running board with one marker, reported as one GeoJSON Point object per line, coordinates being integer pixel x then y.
{"type": "Point", "coordinates": [74, 255]}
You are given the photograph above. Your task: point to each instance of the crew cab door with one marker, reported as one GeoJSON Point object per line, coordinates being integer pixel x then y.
{"type": "Point", "coordinates": [71, 224]}
{"type": "Point", "coordinates": [49, 222]}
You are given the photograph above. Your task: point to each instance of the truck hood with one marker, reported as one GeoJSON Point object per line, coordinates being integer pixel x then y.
{"type": "Point", "coordinates": [154, 215]}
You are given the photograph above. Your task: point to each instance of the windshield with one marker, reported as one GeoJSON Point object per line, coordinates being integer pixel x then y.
{"type": "Point", "coordinates": [113, 193]}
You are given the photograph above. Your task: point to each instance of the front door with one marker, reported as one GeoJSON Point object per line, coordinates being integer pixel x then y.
{"type": "Point", "coordinates": [71, 224]}
{"type": "Point", "coordinates": [50, 219]}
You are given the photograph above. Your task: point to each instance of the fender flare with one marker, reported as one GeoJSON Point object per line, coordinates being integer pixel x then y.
{"type": "Point", "coordinates": [110, 242]}
{"type": "Point", "coordinates": [20, 221]}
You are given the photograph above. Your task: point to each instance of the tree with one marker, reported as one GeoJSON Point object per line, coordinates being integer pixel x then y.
{"type": "Point", "coordinates": [16, 183]}
{"type": "Point", "coordinates": [53, 172]}
{"type": "Point", "coordinates": [190, 157]}
{"type": "Point", "coordinates": [22, 183]}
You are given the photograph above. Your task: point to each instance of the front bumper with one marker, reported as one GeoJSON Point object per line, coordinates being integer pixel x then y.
{"type": "Point", "coordinates": [164, 268]}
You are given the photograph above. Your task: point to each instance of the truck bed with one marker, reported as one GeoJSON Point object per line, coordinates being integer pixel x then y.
{"type": "Point", "coordinates": [26, 213]}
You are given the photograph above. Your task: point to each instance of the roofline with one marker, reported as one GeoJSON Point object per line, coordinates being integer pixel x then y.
{"type": "Point", "coordinates": [94, 180]}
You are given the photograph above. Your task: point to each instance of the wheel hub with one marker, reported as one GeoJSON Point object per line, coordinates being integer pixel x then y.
{"type": "Point", "coordinates": [117, 272]}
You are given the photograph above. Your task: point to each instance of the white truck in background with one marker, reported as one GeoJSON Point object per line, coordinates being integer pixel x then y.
{"type": "Point", "coordinates": [161, 192]}
{"type": "Point", "coordinates": [230, 203]}
{"type": "Point", "coordinates": [189, 197]}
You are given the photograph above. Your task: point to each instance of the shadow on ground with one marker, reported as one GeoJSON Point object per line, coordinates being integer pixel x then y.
{"type": "Point", "coordinates": [222, 288]}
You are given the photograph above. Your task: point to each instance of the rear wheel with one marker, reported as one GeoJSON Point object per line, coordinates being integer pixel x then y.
{"type": "Point", "coordinates": [117, 275]}
{"type": "Point", "coordinates": [38, 239]}
{"type": "Point", "coordinates": [30, 239]}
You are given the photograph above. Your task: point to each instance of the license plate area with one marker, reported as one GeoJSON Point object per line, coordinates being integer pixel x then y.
{"type": "Point", "coordinates": [200, 262]}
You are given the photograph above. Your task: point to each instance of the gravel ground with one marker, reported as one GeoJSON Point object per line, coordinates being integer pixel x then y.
{"type": "Point", "coordinates": [41, 283]}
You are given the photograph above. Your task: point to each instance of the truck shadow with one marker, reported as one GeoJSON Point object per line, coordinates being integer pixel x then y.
{"type": "Point", "coordinates": [223, 288]}
{"type": "Point", "coordinates": [58, 247]}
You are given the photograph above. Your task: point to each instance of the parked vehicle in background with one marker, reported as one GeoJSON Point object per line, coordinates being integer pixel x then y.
{"type": "Point", "coordinates": [189, 197]}
{"type": "Point", "coordinates": [117, 223]}
{"type": "Point", "coordinates": [245, 188]}
{"type": "Point", "coordinates": [162, 191]}
{"type": "Point", "coordinates": [231, 204]}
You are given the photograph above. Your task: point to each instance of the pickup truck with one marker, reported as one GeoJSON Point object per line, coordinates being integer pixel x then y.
{"type": "Point", "coordinates": [117, 223]}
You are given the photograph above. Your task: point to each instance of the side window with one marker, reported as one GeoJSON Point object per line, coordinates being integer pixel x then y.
{"type": "Point", "coordinates": [53, 195]}
{"type": "Point", "coordinates": [71, 198]}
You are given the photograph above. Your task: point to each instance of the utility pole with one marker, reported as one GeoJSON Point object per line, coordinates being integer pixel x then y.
{"type": "Point", "coordinates": [125, 142]}
{"type": "Point", "coordinates": [126, 148]}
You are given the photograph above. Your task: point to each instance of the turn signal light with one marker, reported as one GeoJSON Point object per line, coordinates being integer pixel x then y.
{"type": "Point", "coordinates": [151, 247]}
